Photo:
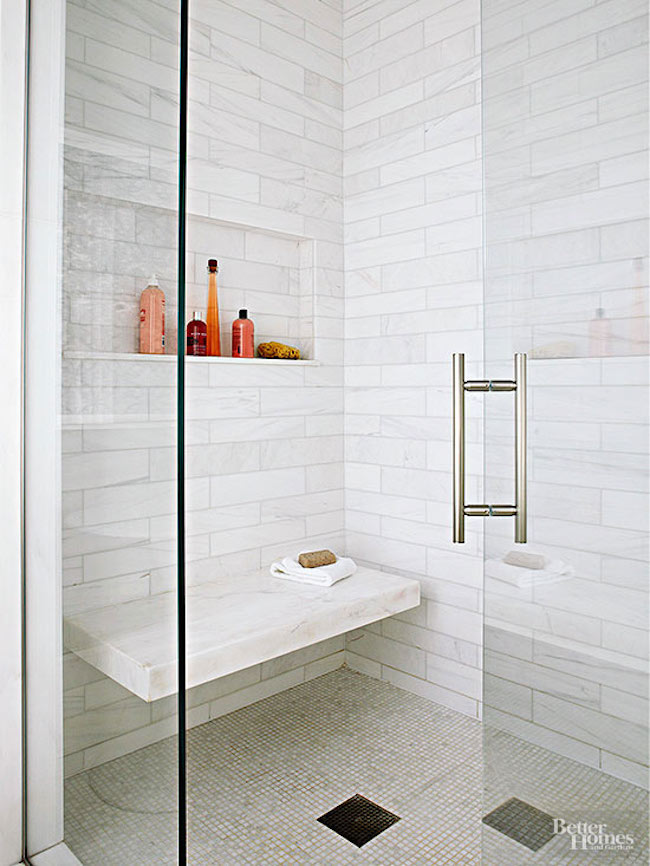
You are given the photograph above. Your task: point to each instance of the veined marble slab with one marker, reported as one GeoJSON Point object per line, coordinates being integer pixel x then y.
{"type": "Point", "coordinates": [232, 623]}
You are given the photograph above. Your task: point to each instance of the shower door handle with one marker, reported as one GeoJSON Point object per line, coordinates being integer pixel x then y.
{"type": "Point", "coordinates": [460, 509]}
{"type": "Point", "coordinates": [521, 450]}
{"type": "Point", "coordinates": [458, 437]}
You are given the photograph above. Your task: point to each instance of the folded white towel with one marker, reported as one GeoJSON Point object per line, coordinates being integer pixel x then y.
{"type": "Point", "coordinates": [554, 571]}
{"type": "Point", "coordinates": [323, 575]}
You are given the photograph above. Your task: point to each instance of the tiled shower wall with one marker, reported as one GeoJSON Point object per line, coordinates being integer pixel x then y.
{"type": "Point", "coordinates": [264, 444]}
{"type": "Point", "coordinates": [566, 169]}
{"type": "Point", "coordinates": [413, 296]}
{"type": "Point", "coordinates": [266, 155]}
{"type": "Point", "coordinates": [566, 664]}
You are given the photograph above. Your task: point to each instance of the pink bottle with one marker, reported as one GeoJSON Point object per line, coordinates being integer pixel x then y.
{"type": "Point", "coordinates": [600, 335]}
{"type": "Point", "coordinates": [152, 319]}
{"type": "Point", "coordinates": [243, 336]}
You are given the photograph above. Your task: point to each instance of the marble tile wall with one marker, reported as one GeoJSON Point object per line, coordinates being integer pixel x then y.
{"type": "Point", "coordinates": [265, 128]}
{"type": "Point", "coordinates": [264, 468]}
{"type": "Point", "coordinates": [565, 193]}
{"type": "Point", "coordinates": [104, 721]}
{"type": "Point", "coordinates": [413, 296]}
{"type": "Point", "coordinates": [566, 125]}
{"type": "Point", "coordinates": [566, 663]}
{"type": "Point", "coordinates": [269, 144]}
{"type": "Point", "coordinates": [264, 444]}
{"type": "Point", "coordinates": [566, 168]}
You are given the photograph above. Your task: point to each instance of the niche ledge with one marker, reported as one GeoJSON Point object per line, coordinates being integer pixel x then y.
{"type": "Point", "coordinates": [192, 359]}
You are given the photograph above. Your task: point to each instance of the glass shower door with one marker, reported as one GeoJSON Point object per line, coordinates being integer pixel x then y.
{"type": "Point", "coordinates": [119, 431]}
{"type": "Point", "coordinates": [566, 614]}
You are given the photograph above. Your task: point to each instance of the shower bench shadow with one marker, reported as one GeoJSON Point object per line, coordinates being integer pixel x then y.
{"type": "Point", "coordinates": [232, 624]}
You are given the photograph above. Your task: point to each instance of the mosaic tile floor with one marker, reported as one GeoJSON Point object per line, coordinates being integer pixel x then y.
{"type": "Point", "coordinates": [563, 789]}
{"type": "Point", "coordinates": [259, 778]}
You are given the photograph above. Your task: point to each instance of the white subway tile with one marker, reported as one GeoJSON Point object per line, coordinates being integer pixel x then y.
{"type": "Point", "coordinates": [455, 622]}
{"type": "Point", "coordinates": [374, 56]}
{"type": "Point", "coordinates": [630, 771]}
{"type": "Point", "coordinates": [256, 486]}
{"type": "Point", "coordinates": [507, 696]}
{"type": "Point", "coordinates": [451, 19]}
{"type": "Point", "coordinates": [387, 552]}
{"type": "Point", "coordinates": [433, 692]}
{"type": "Point", "coordinates": [418, 64]}
{"type": "Point", "coordinates": [429, 161]}
{"type": "Point", "coordinates": [362, 476]}
{"type": "Point", "coordinates": [624, 706]}
{"type": "Point", "coordinates": [101, 593]}
{"type": "Point", "coordinates": [227, 19]}
{"type": "Point", "coordinates": [323, 89]}
{"type": "Point", "coordinates": [385, 200]}
{"type": "Point", "coordinates": [624, 738]}
{"type": "Point", "coordinates": [107, 28]}
{"type": "Point", "coordinates": [255, 692]}
{"type": "Point", "coordinates": [402, 144]}
{"type": "Point", "coordinates": [569, 746]}
{"type": "Point", "coordinates": [624, 572]}
{"type": "Point", "coordinates": [254, 537]}
{"type": "Point", "coordinates": [626, 509]}
{"type": "Point", "coordinates": [388, 652]}
{"type": "Point", "coordinates": [628, 641]}
{"type": "Point", "coordinates": [308, 55]}
{"type": "Point", "coordinates": [593, 79]}
{"type": "Point", "coordinates": [614, 667]}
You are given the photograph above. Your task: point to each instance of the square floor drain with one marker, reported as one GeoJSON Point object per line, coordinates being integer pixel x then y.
{"type": "Point", "coordinates": [358, 820]}
{"type": "Point", "coordinates": [522, 822]}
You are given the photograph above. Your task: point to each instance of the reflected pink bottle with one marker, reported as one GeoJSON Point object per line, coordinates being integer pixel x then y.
{"type": "Point", "coordinates": [243, 336]}
{"type": "Point", "coordinates": [152, 319]}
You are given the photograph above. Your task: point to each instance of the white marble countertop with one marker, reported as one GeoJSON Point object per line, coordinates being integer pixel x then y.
{"type": "Point", "coordinates": [232, 623]}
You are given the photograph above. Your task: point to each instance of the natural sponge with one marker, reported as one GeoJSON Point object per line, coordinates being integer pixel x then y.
{"type": "Point", "coordinates": [278, 350]}
{"type": "Point", "coordinates": [316, 558]}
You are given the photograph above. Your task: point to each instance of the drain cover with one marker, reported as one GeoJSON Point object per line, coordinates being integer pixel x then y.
{"type": "Point", "coordinates": [522, 822]}
{"type": "Point", "coordinates": [358, 820]}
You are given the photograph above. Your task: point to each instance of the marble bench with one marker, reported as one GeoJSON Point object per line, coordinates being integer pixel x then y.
{"type": "Point", "coordinates": [232, 623]}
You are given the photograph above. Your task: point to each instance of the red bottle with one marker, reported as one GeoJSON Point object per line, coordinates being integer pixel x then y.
{"type": "Point", "coordinates": [197, 335]}
{"type": "Point", "coordinates": [243, 336]}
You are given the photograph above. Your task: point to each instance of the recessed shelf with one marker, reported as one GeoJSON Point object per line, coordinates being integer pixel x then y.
{"type": "Point", "coordinates": [590, 359]}
{"type": "Point", "coordinates": [193, 359]}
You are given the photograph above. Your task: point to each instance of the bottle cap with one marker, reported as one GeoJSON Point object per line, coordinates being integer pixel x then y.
{"type": "Point", "coordinates": [600, 313]}
{"type": "Point", "coordinates": [243, 314]}
{"type": "Point", "coordinates": [196, 315]}
{"type": "Point", "coordinates": [213, 265]}
{"type": "Point", "coordinates": [153, 281]}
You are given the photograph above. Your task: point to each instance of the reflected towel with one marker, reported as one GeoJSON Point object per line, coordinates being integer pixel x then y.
{"type": "Point", "coordinates": [553, 572]}
{"type": "Point", "coordinates": [323, 575]}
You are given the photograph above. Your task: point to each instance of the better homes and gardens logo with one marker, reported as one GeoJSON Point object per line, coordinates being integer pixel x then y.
{"type": "Point", "coordinates": [592, 837]}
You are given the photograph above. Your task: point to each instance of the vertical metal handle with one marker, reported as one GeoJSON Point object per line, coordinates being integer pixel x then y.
{"type": "Point", "coordinates": [519, 509]}
{"type": "Point", "coordinates": [521, 517]}
{"type": "Point", "coordinates": [458, 438]}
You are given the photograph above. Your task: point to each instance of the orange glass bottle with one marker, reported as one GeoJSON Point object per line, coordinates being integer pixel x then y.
{"type": "Point", "coordinates": [214, 334]}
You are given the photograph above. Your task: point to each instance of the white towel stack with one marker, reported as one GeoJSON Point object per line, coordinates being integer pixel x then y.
{"type": "Point", "coordinates": [553, 571]}
{"type": "Point", "coordinates": [323, 575]}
